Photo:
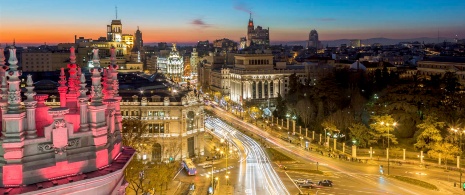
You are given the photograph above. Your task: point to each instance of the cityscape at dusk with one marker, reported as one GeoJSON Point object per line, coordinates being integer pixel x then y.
{"type": "Point", "coordinates": [228, 97]}
{"type": "Point", "coordinates": [187, 21]}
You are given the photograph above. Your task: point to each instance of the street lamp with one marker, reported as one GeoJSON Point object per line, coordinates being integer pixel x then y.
{"type": "Point", "coordinates": [458, 131]}
{"type": "Point", "coordinates": [213, 185]}
{"type": "Point", "coordinates": [394, 124]}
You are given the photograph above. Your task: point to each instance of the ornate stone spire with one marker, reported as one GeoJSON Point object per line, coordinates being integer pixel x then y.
{"type": "Point", "coordinates": [72, 56]}
{"type": "Point", "coordinates": [14, 92]}
{"type": "Point", "coordinates": [30, 104]}
{"type": "Point", "coordinates": [30, 89]}
{"type": "Point", "coordinates": [104, 83]}
{"type": "Point", "coordinates": [83, 88]}
{"type": "Point", "coordinates": [62, 88]}
{"type": "Point", "coordinates": [83, 99]}
{"type": "Point", "coordinates": [72, 81]}
{"type": "Point", "coordinates": [95, 58]}
{"type": "Point", "coordinates": [3, 68]}
{"type": "Point", "coordinates": [96, 92]}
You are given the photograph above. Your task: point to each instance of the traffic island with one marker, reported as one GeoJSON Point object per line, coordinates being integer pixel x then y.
{"type": "Point", "coordinates": [415, 182]}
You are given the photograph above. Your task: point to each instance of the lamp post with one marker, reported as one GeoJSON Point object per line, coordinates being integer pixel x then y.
{"type": "Point", "coordinates": [458, 131]}
{"type": "Point", "coordinates": [394, 124]}
{"type": "Point", "coordinates": [213, 168]}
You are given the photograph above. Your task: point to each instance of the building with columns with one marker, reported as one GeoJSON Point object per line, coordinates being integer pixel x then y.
{"type": "Point", "coordinates": [254, 77]}
{"type": "Point", "coordinates": [60, 149]}
{"type": "Point", "coordinates": [175, 123]}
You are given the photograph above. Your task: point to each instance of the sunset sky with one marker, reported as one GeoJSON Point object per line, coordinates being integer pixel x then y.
{"type": "Point", "coordinates": [184, 21]}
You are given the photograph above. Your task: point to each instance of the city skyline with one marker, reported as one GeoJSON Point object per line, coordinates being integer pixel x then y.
{"type": "Point", "coordinates": [192, 21]}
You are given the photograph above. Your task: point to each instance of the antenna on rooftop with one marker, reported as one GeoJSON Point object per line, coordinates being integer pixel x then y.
{"type": "Point", "coordinates": [116, 10]}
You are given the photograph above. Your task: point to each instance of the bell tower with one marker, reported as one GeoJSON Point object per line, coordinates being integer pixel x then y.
{"type": "Point", "coordinates": [250, 29]}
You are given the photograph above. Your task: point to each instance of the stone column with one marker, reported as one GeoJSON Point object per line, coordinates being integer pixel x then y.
{"type": "Point", "coordinates": [300, 130]}
{"type": "Point", "coordinates": [335, 144]}
{"type": "Point", "coordinates": [256, 90]}
{"type": "Point", "coordinates": [343, 147]}
{"type": "Point", "coordinates": [371, 152]}
{"type": "Point", "coordinates": [354, 151]}
{"type": "Point", "coordinates": [83, 99]}
{"type": "Point", "coordinates": [313, 135]}
{"type": "Point", "coordinates": [403, 157]}
{"type": "Point", "coordinates": [458, 162]}
{"type": "Point", "coordinates": [269, 88]}
{"type": "Point", "coordinates": [320, 137]}
{"type": "Point", "coordinates": [287, 124]}
{"type": "Point", "coordinates": [30, 105]}
{"type": "Point", "coordinates": [306, 132]}
{"type": "Point", "coordinates": [3, 102]}
{"type": "Point", "coordinates": [263, 89]}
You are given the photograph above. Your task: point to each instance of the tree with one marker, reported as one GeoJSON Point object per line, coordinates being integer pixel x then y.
{"type": "Point", "coordinates": [137, 176]}
{"type": "Point", "coordinates": [305, 110]}
{"type": "Point", "coordinates": [362, 134]}
{"type": "Point", "coordinates": [384, 126]}
{"type": "Point", "coordinates": [133, 134]}
{"type": "Point", "coordinates": [430, 133]}
{"type": "Point", "coordinates": [447, 150]}
{"type": "Point", "coordinates": [281, 108]}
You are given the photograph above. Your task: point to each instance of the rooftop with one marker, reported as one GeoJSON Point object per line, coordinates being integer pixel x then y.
{"type": "Point", "coordinates": [118, 164]}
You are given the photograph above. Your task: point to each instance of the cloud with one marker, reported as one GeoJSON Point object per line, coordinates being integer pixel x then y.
{"type": "Point", "coordinates": [200, 23]}
{"type": "Point", "coordinates": [241, 6]}
{"type": "Point", "coordinates": [326, 19]}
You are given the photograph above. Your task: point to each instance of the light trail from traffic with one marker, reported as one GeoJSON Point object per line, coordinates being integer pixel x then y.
{"type": "Point", "coordinates": [385, 187]}
{"type": "Point", "coordinates": [260, 177]}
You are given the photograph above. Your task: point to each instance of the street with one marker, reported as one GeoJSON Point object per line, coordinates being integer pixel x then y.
{"type": "Point", "coordinates": [349, 177]}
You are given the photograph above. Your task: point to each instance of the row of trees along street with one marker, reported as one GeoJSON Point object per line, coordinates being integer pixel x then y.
{"type": "Point", "coordinates": [146, 176]}
{"type": "Point", "coordinates": [427, 111]}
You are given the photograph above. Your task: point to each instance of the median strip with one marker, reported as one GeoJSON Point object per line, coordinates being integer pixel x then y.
{"type": "Point", "coordinates": [415, 182]}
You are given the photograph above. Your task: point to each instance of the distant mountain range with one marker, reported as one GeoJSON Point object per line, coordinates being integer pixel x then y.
{"type": "Point", "coordinates": [381, 40]}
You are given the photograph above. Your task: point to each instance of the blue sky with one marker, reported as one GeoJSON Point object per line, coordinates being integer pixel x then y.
{"type": "Point", "coordinates": [193, 20]}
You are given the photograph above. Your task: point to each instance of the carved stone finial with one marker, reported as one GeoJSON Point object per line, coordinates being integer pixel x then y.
{"type": "Point", "coordinates": [13, 61]}
{"type": "Point", "coordinates": [29, 80]}
{"type": "Point", "coordinates": [72, 56]}
{"type": "Point", "coordinates": [95, 58]}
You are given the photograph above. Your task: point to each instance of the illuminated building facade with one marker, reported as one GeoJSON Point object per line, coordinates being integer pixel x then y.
{"type": "Point", "coordinates": [175, 123]}
{"type": "Point", "coordinates": [123, 44]}
{"type": "Point", "coordinates": [59, 150]}
{"type": "Point", "coordinates": [175, 65]}
{"type": "Point", "coordinates": [194, 62]}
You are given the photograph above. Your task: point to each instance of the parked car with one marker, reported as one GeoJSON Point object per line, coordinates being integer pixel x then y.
{"type": "Point", "coordinates": [300, 181]}
{"type": "Point", "coordinates": [310, 184]}
{"type": "Point", "coordinates": [325, 182]}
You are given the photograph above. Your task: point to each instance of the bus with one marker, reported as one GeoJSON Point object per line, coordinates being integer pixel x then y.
{"type": "Point", "coordinates": [189, 166]}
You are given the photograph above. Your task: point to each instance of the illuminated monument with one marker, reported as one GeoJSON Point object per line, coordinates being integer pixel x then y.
{"type": "Point", "coordinates": [72, 149]}
{"type": "Point", "coordinates": [175, 65]}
